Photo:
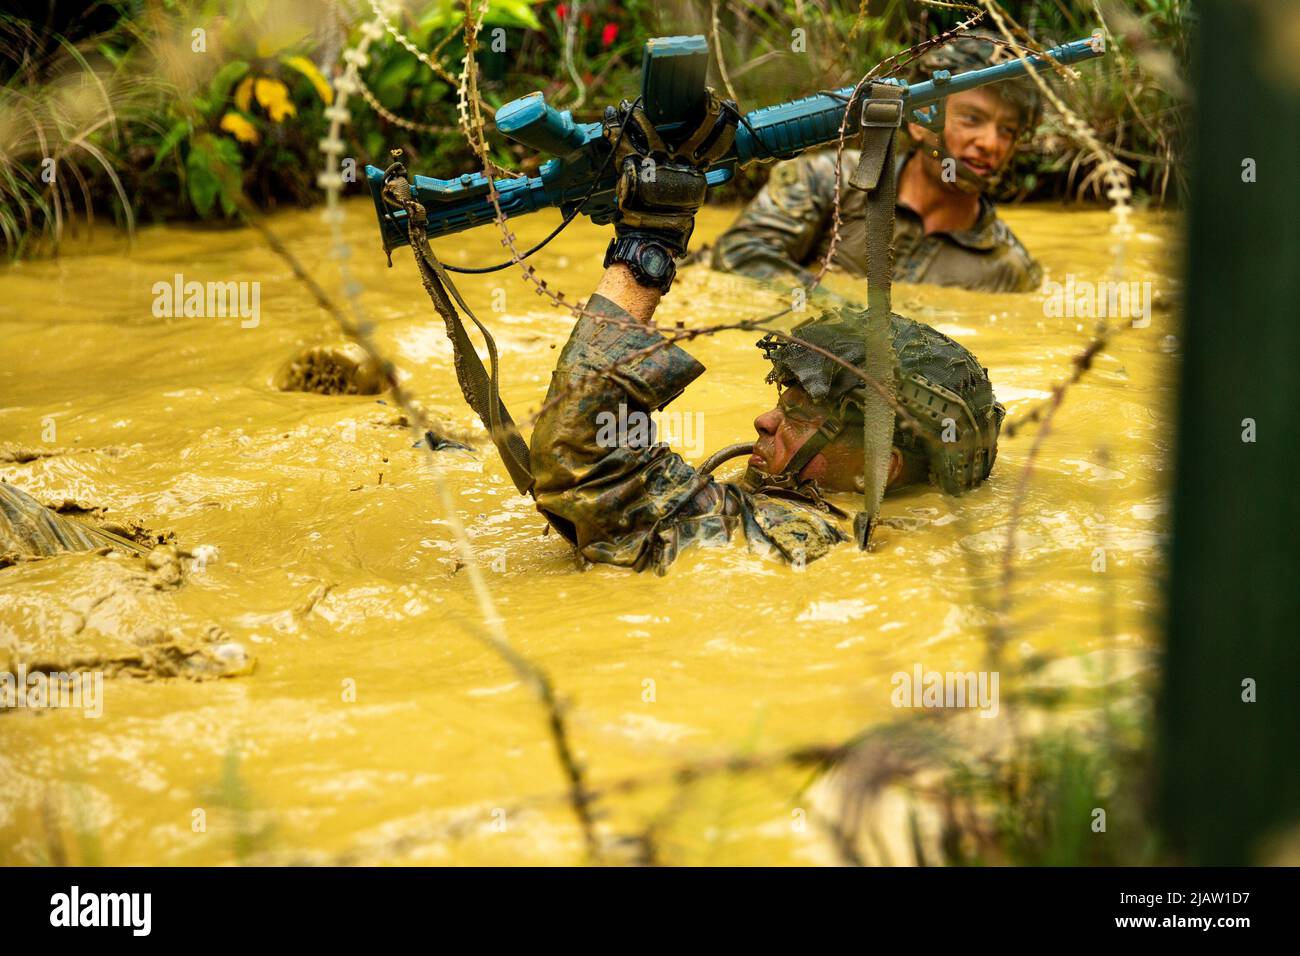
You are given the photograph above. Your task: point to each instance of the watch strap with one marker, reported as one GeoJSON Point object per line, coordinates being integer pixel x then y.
{"type": "Point", "coordinates": [632, 251]}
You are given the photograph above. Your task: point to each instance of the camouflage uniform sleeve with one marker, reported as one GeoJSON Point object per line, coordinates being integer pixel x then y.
{"type": "Point", "coordinates": [1016, 270]}
{"type": "Point", "coordinates": [775, 233]}
{"type": "Point", "coordinates": [614, 493]}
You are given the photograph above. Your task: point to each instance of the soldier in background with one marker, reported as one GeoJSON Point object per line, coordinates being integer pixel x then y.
{"type": "Point", "coordinates": [946, 230]}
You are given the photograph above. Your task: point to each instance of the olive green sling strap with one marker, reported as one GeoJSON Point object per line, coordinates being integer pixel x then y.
{"type": "Point", "coordinates": [882, 115]}
{"type": "Point", "coordinates": [480, 388]}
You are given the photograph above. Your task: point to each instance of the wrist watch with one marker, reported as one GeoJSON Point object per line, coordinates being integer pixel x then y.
{"type": "Point", "coordinates": [650, 260]}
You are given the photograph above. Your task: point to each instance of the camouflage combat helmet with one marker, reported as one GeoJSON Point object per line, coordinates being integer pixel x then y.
{"type": "Point", "coordinates": [975, 51]}
{"type": "Point", "coordinates": [937, 381]}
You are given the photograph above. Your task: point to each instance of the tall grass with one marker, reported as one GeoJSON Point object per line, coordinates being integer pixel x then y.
{"type": "Point", "coordinates": [62, 115]}
{"type": "Point", "coordinates": [129, 121]}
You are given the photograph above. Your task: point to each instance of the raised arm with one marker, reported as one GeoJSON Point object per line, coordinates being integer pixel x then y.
{"type": "Point", "coordinates": [620, 287]}
{"type": "Point", "coordinates": [599, 476]}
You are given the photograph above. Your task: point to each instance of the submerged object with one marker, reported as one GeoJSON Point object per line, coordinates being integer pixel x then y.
{"type": "Point", "coordinates": [344, 369]}
{"type": "Point", "coordinates": [439, 443]}
{"type": "Point", "coordinates": [28, 529]}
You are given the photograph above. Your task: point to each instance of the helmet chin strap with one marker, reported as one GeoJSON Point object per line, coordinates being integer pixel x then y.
{"type": "Point", "coordinates": [812, 446]}
{"type": "Point", "coordinates": [968, 181]}
{"type": "Point", "coordinates": [810, 449]}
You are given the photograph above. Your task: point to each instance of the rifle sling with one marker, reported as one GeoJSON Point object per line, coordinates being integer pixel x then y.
{"type": "Point", "coordinates": [481, 389]}
{"type": "Point", "coordinates": [882, 116]}
{"type": "Point", "coordinates": [881, 119]}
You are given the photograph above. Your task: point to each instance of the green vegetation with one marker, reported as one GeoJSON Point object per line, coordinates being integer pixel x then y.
{"type": "Point", "coordinates": [168, 111]}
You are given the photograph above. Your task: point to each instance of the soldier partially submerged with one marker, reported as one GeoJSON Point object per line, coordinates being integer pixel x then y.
{"type": "Point", "coordinates": [946, 229]}
{"type": "Point", "coordinates": [638, 504]}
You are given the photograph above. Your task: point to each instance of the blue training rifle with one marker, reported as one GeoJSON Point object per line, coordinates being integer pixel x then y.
{"type": "Point", "coordinates": [673, 93]}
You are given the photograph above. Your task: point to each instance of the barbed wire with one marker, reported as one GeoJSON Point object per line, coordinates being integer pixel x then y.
{"type": "Point", "coordinates": [492, 631]}
{"type": "Point", "coordinates": [886, 68]}
{"type": "Point", "coordinates": [373, 102]}
{"type": "Point", "coordinates": [680, 775]}
{"type": "Point", "coordinates": [467, 105]}
{"type": "Point", "coordinates": [381, 15]}
{"type": "Point", "coordinates": [1119, 193]}
{"type": "Point", "coordinates": [579, 795]}
{"type": "Point", "coordinates": [472, 126]}
{"type": "Point", "coordinates": [671, 337]}
{"type": "Point", "coordinates": [1115, 172]}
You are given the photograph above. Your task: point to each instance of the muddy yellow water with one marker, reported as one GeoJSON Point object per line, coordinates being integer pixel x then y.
{"type": "Point", "coordinates": [377, 726]}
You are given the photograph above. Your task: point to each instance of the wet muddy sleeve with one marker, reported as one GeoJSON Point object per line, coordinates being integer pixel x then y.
{"type": "Point", "coordinates": [780, 227]}
{"type": "Point", "coordinates": [599, 478]}
{"type": "Point", "coordinates": [1030, 274]}
{"type": "Point", "coordinates": [1012, 268]}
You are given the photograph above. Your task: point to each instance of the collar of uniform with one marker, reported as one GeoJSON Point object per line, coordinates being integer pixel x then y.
{"type": "Point", "coordinates": [981, 237]}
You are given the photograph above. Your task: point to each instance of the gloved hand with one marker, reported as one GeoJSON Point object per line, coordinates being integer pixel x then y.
{"type": "Point", "coordinates": [662, 186]}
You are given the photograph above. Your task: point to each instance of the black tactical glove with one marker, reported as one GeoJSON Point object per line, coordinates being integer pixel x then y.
{"type": "Point", "coordinates": [662, 186]}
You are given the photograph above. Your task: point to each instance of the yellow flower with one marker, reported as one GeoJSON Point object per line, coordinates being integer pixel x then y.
{"type": "Point", "coordinates": [244, 94]}
{"type": "Point", "coordinates": [239, 127]}
{"type": "Point", "coordinates": [274, 97]}
{"type": "Point", "coordinates": [308, 69]}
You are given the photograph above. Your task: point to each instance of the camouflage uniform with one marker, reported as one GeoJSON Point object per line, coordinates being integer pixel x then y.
{"type": "Point", "coordinates": [785, 230]}
{"type": "Point", "coordinates": [638, 507]}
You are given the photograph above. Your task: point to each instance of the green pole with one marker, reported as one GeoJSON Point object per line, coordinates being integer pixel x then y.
{"type": "Point", "coordinates": [1229, 780]}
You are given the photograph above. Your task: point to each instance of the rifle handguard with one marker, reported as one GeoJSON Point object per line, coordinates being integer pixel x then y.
{"type": "Point", "coordinates": [672, 96]}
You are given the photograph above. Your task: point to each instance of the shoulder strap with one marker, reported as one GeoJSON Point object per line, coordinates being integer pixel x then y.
{"type": "Point", "coordinates": [481, 389]}
{"type": "Point", "coordinates": [882, 115]}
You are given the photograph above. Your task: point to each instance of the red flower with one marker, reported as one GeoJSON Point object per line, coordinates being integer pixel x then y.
{"type": "Point", "coordinates": [609, 34]}
{"type": "Point", "coordinates": [561, 10]}
{"type": "Point", "coordinates": [586, 20]}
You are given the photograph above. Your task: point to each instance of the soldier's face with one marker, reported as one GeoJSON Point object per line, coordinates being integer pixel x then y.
{"type": "Point", "coordinates": [981, 131]}
{"type": "Point", "coordinates": [783, 430]}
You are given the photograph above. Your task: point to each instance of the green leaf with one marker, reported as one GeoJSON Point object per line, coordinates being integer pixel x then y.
{"type": "Point", "coordinates": [438, 15]}
{"type": "Point", "coordinates": [169, 142]}
{"type": "Point", "coordinates": [228, 204]}
{"type": "Point", "coordinates": [391, 84]}
{"type": "Point", "coordinates": [227, 153]}
{"type": "Point", "coordinates": [433, 91]}
{"type": "Point", "coordinates": [213, 170]}
{"type": "Point", "coordinates": [501, 13]}
{"type": "Point", "coordinates": [512, 13]}
{"type": "Point", "coordinates": [226, 77]}
{"type": "Point", "coordinates": [202, 183]}
{"type": "Point", "coordinates": [111, 55]}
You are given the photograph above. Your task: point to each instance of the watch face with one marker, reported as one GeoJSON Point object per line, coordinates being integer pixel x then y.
{"type": "Point", "coordinates": [654, 260]}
